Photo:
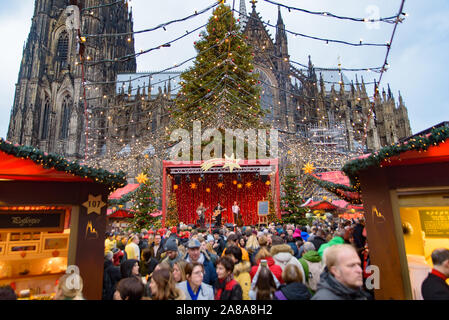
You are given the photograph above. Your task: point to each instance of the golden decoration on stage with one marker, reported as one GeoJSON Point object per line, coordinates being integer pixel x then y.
{"type": "Point", "coordinates": [193, 185]}
{"type": "Point", "coordinates": [249, 184]}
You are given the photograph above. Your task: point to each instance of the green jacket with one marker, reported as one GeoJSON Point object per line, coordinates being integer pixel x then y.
{"type": "Point", "coordinates": [334, 241]}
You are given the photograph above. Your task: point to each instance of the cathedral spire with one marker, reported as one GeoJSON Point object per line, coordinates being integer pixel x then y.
{"type": "Point", "coordinates": [243, 15]}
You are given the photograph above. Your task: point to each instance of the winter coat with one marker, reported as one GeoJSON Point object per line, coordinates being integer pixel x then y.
{"type": "Point", "coordinates": [159, 251]}
{"type": "Point", "coordinates": [221, 246]}
{"type": "Point", "coordinates": [304, 235]}
{"type": "Point", "coordinates": [206, 291]}
{"type": "Point", "coordinates": [228, 289]}
{"type": "Point", "coordinates": [293, 291]}
{"type": "Point", "coordinates": [359, 239]}
{"type": "Point", "coordinates": [330, 289]}
{"type": "Point", "coordinates": [210, 275]}
{"type": "Point", "coordinates": [275, 269]}
{"type": "Point", "coordinates": [172, 262]}
{"type": "Point", "coordinates": [434, 288]}
{"type": "Point", "coordinates": [147, 267]}
{"type": "Point", "coordinates": [334, 241]}
{"type": "Point", "coordinates": [242, 276]}
{"type": "Point", "coordinates": [313, 267]}
{"type": "Point", "coordinates": [245, 255]}
{"type": "Point", "coordinates": [317, 242]}
{"type": "Point", "coordinates": [282, 255]}
{"type": "Point", "coordinates": [294, 248]}
{"type": "Point", "coordinates": [111, 276]}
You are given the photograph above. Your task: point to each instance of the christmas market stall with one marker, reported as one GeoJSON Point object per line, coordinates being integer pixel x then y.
{"type": "Point", "coordinates": [405, 189]}
{"type": "Point", "coordinates": [188, 183]}
{"type": "Point", "coordinates": [52, 217]}
{"type": "Point", "coordinates": [118, 212]}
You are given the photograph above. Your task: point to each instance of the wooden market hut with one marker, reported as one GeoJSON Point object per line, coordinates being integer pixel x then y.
{"type": "Point", "coordinates": [52, 215]}
{"type": "Point", "coordinates": [405, 191]}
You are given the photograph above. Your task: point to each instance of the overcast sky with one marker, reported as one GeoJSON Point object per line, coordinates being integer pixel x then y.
{"type": "Point", "coordinates": [418, 58]}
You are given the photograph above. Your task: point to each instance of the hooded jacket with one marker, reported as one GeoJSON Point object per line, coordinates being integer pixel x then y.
{"type": "Point", "coordinates": [334, 241]}
{"type": "Point", "coordinates": [292, 291]}
{"type": "Point", "coordinates": [312, 265]}
{"type": "Point", "coordinates": [330, 289]}
{"type": "Point", "coordinates": [242, 276]}
{"type": "Point", "coordinates": [282, 255]}
{"type": "Point", "coordinates": [275, 269]}
{"type": "Point", "coordinates": [210, 275]}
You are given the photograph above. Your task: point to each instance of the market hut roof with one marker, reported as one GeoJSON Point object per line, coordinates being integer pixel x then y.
{"type": "Point", "coordinates": [28, 163]}
{"type": "Point", "coordinates": [425, 147]}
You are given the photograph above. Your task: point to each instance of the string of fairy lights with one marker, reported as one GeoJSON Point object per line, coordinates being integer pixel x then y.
{"type": "Point", "coordinates": [153, 137]}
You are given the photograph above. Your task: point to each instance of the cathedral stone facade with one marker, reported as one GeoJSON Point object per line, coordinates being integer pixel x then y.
{"type": "Point", "coordinates": [123, 106]}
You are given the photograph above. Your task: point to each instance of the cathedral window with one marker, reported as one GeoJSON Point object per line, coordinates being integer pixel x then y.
{"type": "Point", "coordinates": [63, 46]}
{"type": "Point", "coordinates": [65, 118]}
{"type": "Point", "coordinates": [45, 119]}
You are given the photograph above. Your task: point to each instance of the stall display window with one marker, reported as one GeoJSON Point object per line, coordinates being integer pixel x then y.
{"type": "Point", "coordinates": [15, 236]}
{"type": "Point", "coordinates": [55, 243]}
{"type": "Point", "coordinates": [424, 230]}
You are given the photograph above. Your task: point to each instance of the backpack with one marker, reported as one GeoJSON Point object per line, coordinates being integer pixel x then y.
{"type": "Point", "coordinates": [312, 271]}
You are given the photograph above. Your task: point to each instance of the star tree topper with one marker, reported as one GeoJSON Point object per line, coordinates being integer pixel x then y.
{"type": "Point", "coordinates": [308, 168]}
{"type": "Point", "coordinates": [142, 178]}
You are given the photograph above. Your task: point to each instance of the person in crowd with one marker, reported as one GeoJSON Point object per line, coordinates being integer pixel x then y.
{"type": "Point", "coordinates": [283, 254]}
{"type": "Point", "coordinates": [130, 288]}
{"type": "Point", "coordinates": [193, 287]}
{"type": "Point", "coordinates": [294, 288]}
{"type": "Point", "coordinates": [337, 239]}
{"type": "Point", "coordinates": [194, 254]}
{"type": "Point", "coordinates": [219, 244]}
{"type": "Point", "coordinates": [111, 275]}
{"type": "Point", "coordinates": [68, 290]}
{"type": "Point", "coordinates": [242, 242]}
{"type": "Point", "coordinates": [264, 254]}
{"type": "Point", "coordinates": [121, 241]}
{"type": "Point", "coordinates": [252, 246]}
{"type": "Point", "coordinates": [172, 253]}
{"type": "Point", "coordinates": [110, 242]}
{"type": "Point", "coordinates": [179, 271]}
{"type": "Point", "coordinates": [313, 231]}
{"type": "Point", "coordinates": [157, 247]}
{"type": "Point", "coordinates": [129, 268]}
{"type": "Point", "coordinates": [342, 277]}
{"type": "Point", "coordinates": [269, 240]}
{"type": "Point", "coordinates": [118, 256]}
{"type": "Point", "coordinates": [208, 248]}
{"type": "Point", "coordinates": [132, 248]}
{"type": "Point", "coordinates": [434, 287]}
{"type": "Point", "coordinates": [319, 239]}
{"type": "Point", "coordinates": [241, 270]}
{"type": "Point", "coordinates": [148, 262]}
{"type": "Point", "coordinates": [233, 241]}
{"type": "Point", "coordinates": [304, 234]}
{"type": "Point", "coordinates": [163, 286]}
{"type": "Point", "coordinates": [264, 283]}
{"type": "Point", "coordinates": [7, 293]}
{"type": "Point", "coordinates": [143, 242]}
{"type": "Point", "coordinates": [292, 243]}
{"type": "Point", "coordinates": [226, 287]}
{"type": "Point", "coordinates": [312, 266]}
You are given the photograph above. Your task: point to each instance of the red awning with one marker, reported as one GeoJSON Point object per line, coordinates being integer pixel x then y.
{"type": "Point", "coordinates": [13, 168]}
{"type": "Point", "coordinates": [337, 177]}
{"type": "Point", "coordinates": [117, 194]}
{"type": "Point", "coordinates": [322, 205]}
{"type": "Point", "coordinates": [119, 214]}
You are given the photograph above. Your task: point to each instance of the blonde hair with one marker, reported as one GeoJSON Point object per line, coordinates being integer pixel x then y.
{"type": "Point", "coordinates": [182, 267]}
{"type": "Point", "coordinates": [330, 254]}
{"type": "Point", "coordinates": [71, 293]}
{"type": "Point", "coordinates": [209, 248]}
{"type": "Point", "coordinates": [262, 254]}
{"type": "Point", "coordinates": [252, 244]}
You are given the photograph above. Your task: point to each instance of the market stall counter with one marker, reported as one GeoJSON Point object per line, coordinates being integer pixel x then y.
{"type": "Point", "coordinates": [52, 216]}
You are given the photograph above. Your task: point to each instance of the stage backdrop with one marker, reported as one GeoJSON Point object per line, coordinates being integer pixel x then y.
{"type": "Point", "coordinates": [190, 194]}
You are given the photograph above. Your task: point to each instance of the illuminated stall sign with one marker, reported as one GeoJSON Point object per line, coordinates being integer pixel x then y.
{"type": "Point", "coordinates": [13, 221]}
{"type": "Point", "coordinates": [435, 223]}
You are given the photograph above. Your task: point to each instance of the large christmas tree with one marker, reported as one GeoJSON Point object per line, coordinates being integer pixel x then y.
{"type": "Point", "coordinates": [220, 89]}
{"type": "Point", "coordinates": [292, 200]}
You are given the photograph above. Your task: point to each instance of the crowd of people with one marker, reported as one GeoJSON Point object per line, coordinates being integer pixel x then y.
{"type": "Point", "coordinates": [283, 262]}
{"type": "Point", "coordinates": [325, 261]}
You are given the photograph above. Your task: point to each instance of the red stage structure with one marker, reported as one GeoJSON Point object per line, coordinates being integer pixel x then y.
{"type": "Point", "coordinates": [247, 185]}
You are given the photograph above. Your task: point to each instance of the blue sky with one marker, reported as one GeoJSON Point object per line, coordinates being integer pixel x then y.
{"type": "Point", "coordinates": [418, 58]}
